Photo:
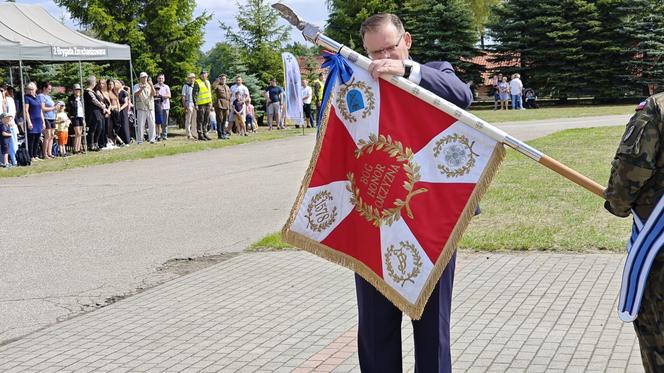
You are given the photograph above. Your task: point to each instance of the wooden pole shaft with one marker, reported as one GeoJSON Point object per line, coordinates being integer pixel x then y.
{"type": "Point", "coordinates": [572, 175]}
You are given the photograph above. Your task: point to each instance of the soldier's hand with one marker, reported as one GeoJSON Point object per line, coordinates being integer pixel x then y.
{"type": "Point", "coordinates": [609, 208]}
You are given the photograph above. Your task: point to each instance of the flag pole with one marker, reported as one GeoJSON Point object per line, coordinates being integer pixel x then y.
{"type": "Point", "coordinates": [313, 34]}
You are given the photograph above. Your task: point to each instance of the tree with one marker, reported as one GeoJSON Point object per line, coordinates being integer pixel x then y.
{"type": "Point", "coordinates": [118, 21]}
{"type": "Point", "coordinates": [614, 47]}
{"type": "Point", "coordinates": [225, 58]}
{"type": "Point", "coordinates": [163, 34]}
{"type": "Point", "coordinates": [646, 29]}
{"type": "Point", "coordinates": [175, 36]}
{"type": "Point", "coordinates": [481, 11]}
{"type": "Point", "coordinates": [442, 31]}
{"type": "Point", "coordinates": [260, 38]}
{"type": "Point", "coordinates": [299, 49]}
{"type": "Point", "coordinates": [343, 23]}
{"type": "Point", "coordinates": [554, 43]}
{"type": "Point", "coordinates": [311, 68]}
{"type": "Point", "coordinates": [65, 74]}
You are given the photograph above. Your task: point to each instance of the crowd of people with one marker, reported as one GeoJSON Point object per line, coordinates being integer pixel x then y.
{"type": "Point", "coordinates": [106, 114]}
{"type": "Point", "coordinates": [217, 107]}
{"type": "Point", "coordinates": [228, 110]}
{"type": "Point", "coordinates": [44, 127]}
{"type": "Point", "coordinates": [504, 92]}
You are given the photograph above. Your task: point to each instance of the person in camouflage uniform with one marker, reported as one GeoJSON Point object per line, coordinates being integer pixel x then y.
{"type": "Point", "coordinates": [637, 183]}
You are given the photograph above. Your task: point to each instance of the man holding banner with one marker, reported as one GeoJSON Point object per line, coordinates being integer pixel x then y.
{"type": "Point", "coordinates": [379, 334]}
{"type": "Point", "coordinates": [636, 185]}
{"type": "Point", "coordinates": [393, 182]}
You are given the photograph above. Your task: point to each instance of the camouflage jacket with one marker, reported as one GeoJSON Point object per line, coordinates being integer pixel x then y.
{"type": "Point", "coordinates": [637, 172]}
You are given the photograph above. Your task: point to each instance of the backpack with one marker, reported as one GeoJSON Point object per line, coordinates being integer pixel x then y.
{"type": "Point", "coordinates": [22, 156]}
{"type": "Point", "coordinates": [131, 119]}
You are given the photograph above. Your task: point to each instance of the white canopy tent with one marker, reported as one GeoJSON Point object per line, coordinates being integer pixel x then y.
{"type": "Point", "coordinates": [41, 37]}
{"type": "Point", "coordinates": [28, 33]}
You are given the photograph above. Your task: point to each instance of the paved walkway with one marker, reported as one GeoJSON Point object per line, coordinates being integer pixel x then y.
{"type": "Point", "coordinates": [528, 130]}
{"type": "Point", "coordinates": [291, 311]}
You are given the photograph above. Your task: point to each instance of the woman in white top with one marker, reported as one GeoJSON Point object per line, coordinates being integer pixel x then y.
{"type": "Point", "coordinates": [3, 102]}
{"type": "Point", "coordinates": [10, 108]}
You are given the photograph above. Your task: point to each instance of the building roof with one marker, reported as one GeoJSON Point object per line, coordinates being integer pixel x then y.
{"type": "Point", "coordinates": [486, 60]}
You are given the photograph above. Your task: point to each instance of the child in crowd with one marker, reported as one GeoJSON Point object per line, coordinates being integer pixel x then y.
{"type": "Point", "coordinates": [239, 111]}
{"type": "Point", "coordinates": [13, 140]}
{"type": "Point", "coordinates": [62, 123]}
{"type": "Point", "coordinates": [10, 108]}
{"type": "Point", "coordinates": [158, 116]}
{"type": "Point", "coordinates": [6, 136]}
{"type": "Point", "coordinates": [213, 121]}
{"type": "Point", "coordinates": [250, 116]}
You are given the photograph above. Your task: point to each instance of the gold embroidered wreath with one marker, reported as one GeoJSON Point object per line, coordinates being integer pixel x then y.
{"type": "Point", "coordinates": [403, 265]}
{"type": "Point", "coordinates": [460, 139]}
{"type": "Point", "coordinates": [341, 100]}
{"type": "Point", "coordinates": [310, 212]}
{"type": "Point", "coordinates": [395, 150]}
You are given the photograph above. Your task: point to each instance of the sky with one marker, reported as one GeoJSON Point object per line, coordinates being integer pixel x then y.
{"type": "Point", "coordinates": [313, 11]}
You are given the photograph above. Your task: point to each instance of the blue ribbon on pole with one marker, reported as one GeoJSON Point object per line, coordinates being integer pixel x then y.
{"type": "Point", "coordinates": [338, 68]}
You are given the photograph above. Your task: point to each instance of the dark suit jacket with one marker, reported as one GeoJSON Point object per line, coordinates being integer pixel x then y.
{"type": "Point", "coordinates": [71, 106]}
{"type": "Point", "coordinates": [439, 78]}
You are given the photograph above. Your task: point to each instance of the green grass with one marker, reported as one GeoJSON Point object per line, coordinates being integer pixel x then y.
{"type": "Point", "coordinates": [176, 144]}
{"type": "Point", "coordinates": [269, 243]}
{"type": "Point", "coordinates": [551, 113]}
{"type": "Point", "coordinates": [529, 207]}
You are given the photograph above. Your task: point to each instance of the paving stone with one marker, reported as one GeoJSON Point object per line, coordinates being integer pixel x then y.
{"type": "Point", "coordinates": [276, 312]}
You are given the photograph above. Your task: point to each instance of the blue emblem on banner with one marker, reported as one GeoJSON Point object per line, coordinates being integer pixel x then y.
{"type": "Point", "coordinates": [354, 100]}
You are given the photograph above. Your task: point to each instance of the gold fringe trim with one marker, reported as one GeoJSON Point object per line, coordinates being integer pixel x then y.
{"type": "Point", "coordinates": [310, 170]}
{"type": "Point", "coordinates": [414, 311]}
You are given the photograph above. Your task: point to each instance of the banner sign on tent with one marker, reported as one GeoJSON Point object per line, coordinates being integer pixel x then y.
{"type": "Point", "coordinates": [79, 52]}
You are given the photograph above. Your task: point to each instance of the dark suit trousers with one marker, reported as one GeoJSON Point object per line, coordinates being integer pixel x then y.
{"type": "Point", "coordinates": [379, 334]}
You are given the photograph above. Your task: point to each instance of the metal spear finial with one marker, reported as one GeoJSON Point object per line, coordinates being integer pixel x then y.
{"type": "Point", "coordinates": [289, 15]}
{"type": "Point", "coordinates": [309, 31]}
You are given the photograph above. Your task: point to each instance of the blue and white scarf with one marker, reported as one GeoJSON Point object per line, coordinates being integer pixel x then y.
{"type": "Point", "coordinates": [643, 246]}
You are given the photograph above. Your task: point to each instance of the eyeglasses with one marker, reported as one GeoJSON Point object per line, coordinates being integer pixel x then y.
{"type": "Point", "coordinates": [385, 51]}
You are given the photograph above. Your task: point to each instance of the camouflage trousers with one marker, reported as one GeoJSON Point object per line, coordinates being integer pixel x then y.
{"type": "Point", "coordinates": [649, 325]}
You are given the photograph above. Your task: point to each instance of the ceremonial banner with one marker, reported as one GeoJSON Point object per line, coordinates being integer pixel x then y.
{"type": "Point", "coordinates": [392, 185]}
{"type": "Point", "coordinates": [643, 246]}
{"type": "Point", "coordinates": [293, 88]}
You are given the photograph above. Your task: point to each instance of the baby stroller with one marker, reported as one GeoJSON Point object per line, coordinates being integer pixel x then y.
{"type": "Point", "coordinates": [530, 99]}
